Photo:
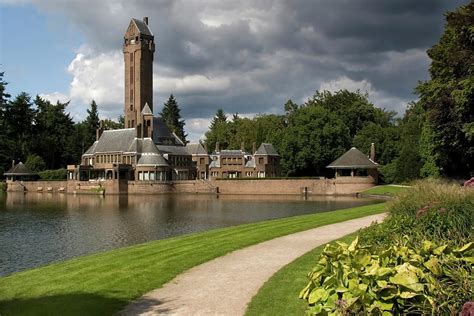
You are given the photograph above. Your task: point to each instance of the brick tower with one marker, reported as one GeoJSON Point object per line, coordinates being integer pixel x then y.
{"type": "Point", "coordinates": [138, 50]}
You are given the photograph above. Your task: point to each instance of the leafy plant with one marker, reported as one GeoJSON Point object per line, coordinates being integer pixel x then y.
{"type": "Point", "coordinates": [353, 279]}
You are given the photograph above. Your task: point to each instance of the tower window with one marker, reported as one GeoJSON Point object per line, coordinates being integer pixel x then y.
{"type": "Point", "coordinates": [131, 107]}
{"type": "Point", "coordinates": [131, 57]}
{"type": "Point", "coordinates": [147, 122]}
{"type": "Point", "coordinates": [131, 74]}
{"type": "Point", "coordinates": [133, 123]}
{"type": "Point", "coordinates": [131, 95]}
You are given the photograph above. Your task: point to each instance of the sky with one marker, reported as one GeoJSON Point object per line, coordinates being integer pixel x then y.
{"type": "Point", "coordinates": [246, 57]}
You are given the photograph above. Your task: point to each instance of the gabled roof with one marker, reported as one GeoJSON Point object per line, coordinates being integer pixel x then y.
{"type": "Point", "coordinates": [196, 149]}
{"type": "Point", "coordinates": [266, 149]}
{"type": "Point", "coordinates": [142, 27]}
{"type": "Point", "coordinates": [353, 159]}
{"type": "Point", "coordinates": [19, 170]}
{"type": "Point", "coordinates": [146, 109]}
{"type": "Point", "coordinates": [116, 140]}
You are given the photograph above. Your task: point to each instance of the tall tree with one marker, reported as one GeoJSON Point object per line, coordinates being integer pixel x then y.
{"type": "Point", "coordinates": [218, 131]}
{"type": "Point", "coordinates": [7, 143]}
{"type": "Point", "coordinates": [448, 97]}
{"type": "Point", "coordinates": [91, 123]}
{"type": "Point", "coordinates": [54, 127]}
{"type": "Point", "coordinates": [171, 115]}
{"type": "Point", "coordinates": [19, 117]}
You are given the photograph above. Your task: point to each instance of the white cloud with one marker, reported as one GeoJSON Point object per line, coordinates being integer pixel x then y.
{"type": "Point", "coordinates": [379, 98]}
{"type": "Point", "coordinates": [196, 127]}
{"type": "Point", "coordinates": [55, 97]}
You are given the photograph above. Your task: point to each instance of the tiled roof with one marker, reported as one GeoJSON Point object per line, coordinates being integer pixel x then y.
{"type": "Point", "coordinates": [196, 149]}
{"type": "Point", "coordinates": [174, 150]}
{"type": "Point", "coordinates": [353, 159]}
{"type": "Point", "coordinates": [142, 27]}
{"type": "Point", "coordinates": [91, 149]}
{"type": "Point", "coordinates": [266, 149]}
{"type": "Point", "coordinates": [152, 160]}
{"type": "Point", "coordinates": [19, 170]}
{"type": "Point", "coordinates": [118, 140]}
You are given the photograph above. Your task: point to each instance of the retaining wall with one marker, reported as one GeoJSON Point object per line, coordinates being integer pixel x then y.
{"type": "Point", "coordinates": [339, 186]}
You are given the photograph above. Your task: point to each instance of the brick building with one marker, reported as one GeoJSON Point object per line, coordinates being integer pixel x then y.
{"type": "Point", "coordinates": [146, 150]}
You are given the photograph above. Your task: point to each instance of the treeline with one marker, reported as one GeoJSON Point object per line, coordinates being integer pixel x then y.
{"type": "Point", "coordinates": [42, 134]}
{"type": "Point", "coordinates": [433, 138]}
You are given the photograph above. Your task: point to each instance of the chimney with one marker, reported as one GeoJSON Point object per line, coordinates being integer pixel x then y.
{"type": "Point", "coordinates": [145, 19]}
{"type": "Point", "coordinates": [100, 130]}
{"type": "Point", "coordinates": [217, 147]}
{"type": "Point", "coordinates": [254, 148]}
{"type": "Point", "coordinates": [242, 146]}
{"type": "Point", "coordinates": [372, 152]}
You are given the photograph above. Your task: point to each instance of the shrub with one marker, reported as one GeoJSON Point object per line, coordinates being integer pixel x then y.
{"type": "Point", "coordinates": [430, 210]}
{"type": "Point", "coordinates": [58, 174]}
{"type": "Point", "coordinates": [350, 279]}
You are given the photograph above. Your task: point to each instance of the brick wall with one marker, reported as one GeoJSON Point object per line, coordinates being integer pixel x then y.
{"type": "Point", "coordinates": [341, 185]}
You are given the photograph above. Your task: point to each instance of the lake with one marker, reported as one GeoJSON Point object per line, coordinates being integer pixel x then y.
{"type": "Point", "coordinates": [39, 228]}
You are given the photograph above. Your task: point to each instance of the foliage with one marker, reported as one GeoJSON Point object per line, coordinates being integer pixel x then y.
{"type": "Point", "coordinates": [35, 163]}
{"type": "Point", "coordinates": [350, 279]}
{"type": "Point", "coordinates": [171, 115]}
{"type": "Point", "coordinates": [448, 96]}
{"type": "Point", "coordinates": [218, 131]}
{"type": "Point", "coordinates": [91, 123]}
{"type": "Point", "coordinates": [314, 137]}
{"type": "Point", "coordinates": [58, 174]}
{"type": "Point", "coordinates": [426, 224]}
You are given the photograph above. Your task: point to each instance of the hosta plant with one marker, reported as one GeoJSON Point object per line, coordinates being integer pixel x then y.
{"type": "Point", "coordinates": [351, 279]}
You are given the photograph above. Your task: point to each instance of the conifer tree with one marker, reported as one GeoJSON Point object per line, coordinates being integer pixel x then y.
{"type": "Point", "coordinates": [171, 115]}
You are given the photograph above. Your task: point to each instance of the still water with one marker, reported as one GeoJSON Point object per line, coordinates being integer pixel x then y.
{"type": "Point", "coordinates": [39, 228]}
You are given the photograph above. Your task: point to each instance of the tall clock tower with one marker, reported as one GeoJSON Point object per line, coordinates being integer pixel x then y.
{"type": "Point", "coordinates": [138, 51]}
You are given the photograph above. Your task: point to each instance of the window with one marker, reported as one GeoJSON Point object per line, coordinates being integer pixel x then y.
{"type": "Point", "coordinates": [131, 57]}
{"type": "Point", "coordinates": [140, 176]}
{"type": "Point", "coordinates": [148, 123]}
{"type": "Point", "coordinates": [131, 98]}
{"type": "Point", "coordinates": [131, 74]}
{"type": "Point", "coordinates": [152, 176]}
{"type": "Point", "coordinates": [260, 161]}
{"type": "Point", "coordinates": [133, 124]}
{"type": "Point", "coordinates": [201, 161]}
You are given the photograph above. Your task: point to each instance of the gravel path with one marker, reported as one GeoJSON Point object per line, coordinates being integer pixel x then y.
{"type": "Point", "coordinates": [225, 285]}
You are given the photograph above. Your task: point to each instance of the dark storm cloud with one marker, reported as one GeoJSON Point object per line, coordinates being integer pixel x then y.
{"type": "Point", "coordinates": [271, 51]}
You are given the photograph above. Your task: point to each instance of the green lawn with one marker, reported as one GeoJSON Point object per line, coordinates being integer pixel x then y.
{"type": "Point", "coordinates": [384, 190]}
{"type": "Point", "coordinates": [104, 283]}
{"type": "Point", "coordinates": [279, 295]}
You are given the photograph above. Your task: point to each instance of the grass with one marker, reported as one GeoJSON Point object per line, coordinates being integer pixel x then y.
{"type": "Point", "coordinates": [279, 295]}
{"type": "Point", "coordinates": [388, 190]}
{"type": "Point", "coordinates": [104, 283]}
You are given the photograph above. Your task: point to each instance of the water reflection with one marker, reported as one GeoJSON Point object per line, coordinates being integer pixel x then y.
{"type": "Point", "coordinates": [38, 228]}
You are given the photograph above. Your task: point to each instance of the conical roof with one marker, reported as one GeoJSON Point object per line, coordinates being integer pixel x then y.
{"type": "Point", "coordinates": [353, 159]}
{"type": "Point", "coordinates": [19, 170]}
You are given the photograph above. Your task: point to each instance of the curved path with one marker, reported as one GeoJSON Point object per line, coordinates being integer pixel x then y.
{"type": "Point", "coordinates": [225, 285]}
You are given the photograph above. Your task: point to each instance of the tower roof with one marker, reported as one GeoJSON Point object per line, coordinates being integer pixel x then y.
{"type": "Point", "coordinates": [146, 110]}
{"type": "Point", "coordinates": [353, 159]}
{"type": "Point", "coordinates": [142, 27]}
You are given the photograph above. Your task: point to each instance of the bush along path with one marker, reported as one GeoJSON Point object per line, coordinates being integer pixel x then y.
{"type": "Point", "coordinates": [224, 286]}
{"type": "Point", "coordinates": [419, 261]}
